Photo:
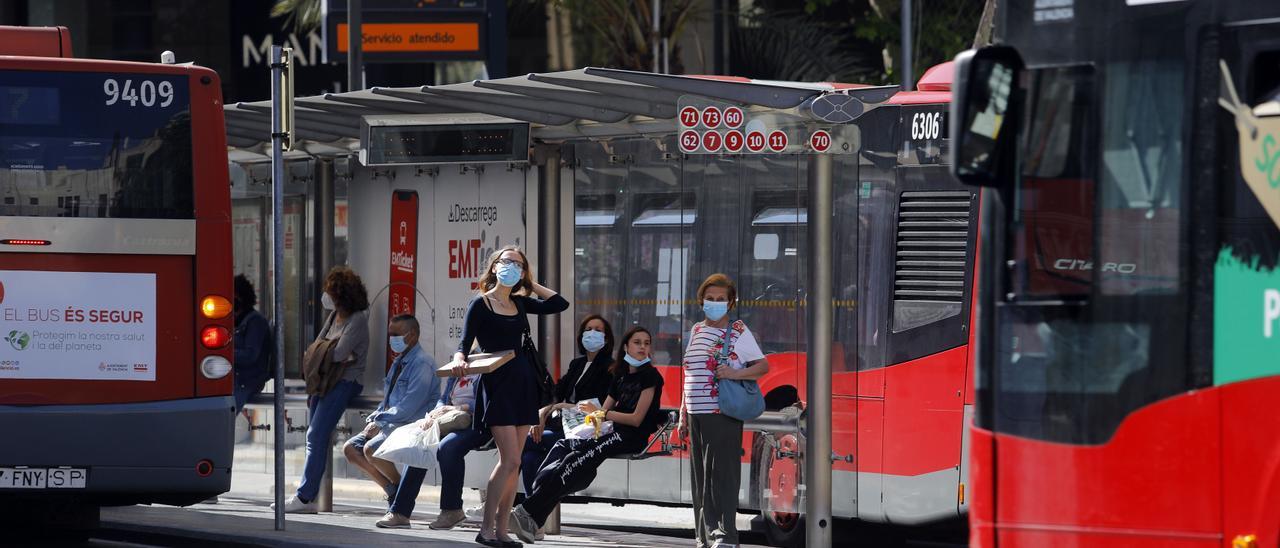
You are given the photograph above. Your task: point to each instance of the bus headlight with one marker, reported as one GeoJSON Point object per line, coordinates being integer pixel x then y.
{"type": "Point", "coordinates": [215, 367]}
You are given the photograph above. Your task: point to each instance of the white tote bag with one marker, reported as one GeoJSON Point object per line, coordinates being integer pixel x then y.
{"type": "Point", "coordinates": [411, 446]}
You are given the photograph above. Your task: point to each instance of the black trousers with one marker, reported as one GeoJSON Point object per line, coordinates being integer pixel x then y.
{"type": "Point", "coordinates": [571, 467]}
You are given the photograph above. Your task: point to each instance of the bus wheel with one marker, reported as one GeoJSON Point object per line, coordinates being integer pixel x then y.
{"type": "Point", "coordinates": [778, 475]}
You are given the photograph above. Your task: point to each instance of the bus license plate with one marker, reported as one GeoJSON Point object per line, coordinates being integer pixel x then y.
{"type": "Point", "coordinates": [43, 478]}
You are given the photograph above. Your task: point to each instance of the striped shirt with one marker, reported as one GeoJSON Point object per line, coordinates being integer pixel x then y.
{"type": "Point", "coordinates": [700, 392]}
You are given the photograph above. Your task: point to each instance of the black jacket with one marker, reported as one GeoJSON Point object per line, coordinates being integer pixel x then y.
{"type": "Point", "coordinates": [595, 385]}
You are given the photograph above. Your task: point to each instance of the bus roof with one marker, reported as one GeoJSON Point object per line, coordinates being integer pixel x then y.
{"type": "Point", "coordinates": [588, 103]}
{"type": "Point", "coordinates": [35, 41]}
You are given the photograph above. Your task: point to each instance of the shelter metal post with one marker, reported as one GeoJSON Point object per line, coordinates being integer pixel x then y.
{"type": "Point", "coordinates": [908, 74]}
{"type": "Point", "coordinates": [355, 46]}
{"type": "Point", "coordinates": [817, 455]}
{"type": "Point", "coordinates": [324, 223]}
{"type": "Point", "coordinates": [548, 158]}
{"type": "Point", "coordinates": [277, 271]}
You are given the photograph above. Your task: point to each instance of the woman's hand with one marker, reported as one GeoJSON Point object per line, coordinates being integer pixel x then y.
{"type": "Point", "coordinates": [726, 372]}
{"type": "Point", "coordinates": [562, 406]}
{"type": "Point", "coordinates": [536, 432]}
{"type": "Point", "coordinates": [459, 366]}
{"type": "Point", "coordinates": [588, 407]}
{"type": "Point", "coordinates": [425, 424]}
{"type": "Point", "coordinates": [682, 425]}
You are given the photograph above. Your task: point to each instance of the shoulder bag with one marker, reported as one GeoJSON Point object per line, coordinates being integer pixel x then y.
{"type": "Point", "coordinates": [546, 385]}
{"type": "Point", "coordinates": [740, 399]}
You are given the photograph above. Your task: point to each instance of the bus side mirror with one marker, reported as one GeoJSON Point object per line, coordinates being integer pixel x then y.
{"type": "Point", "coordinates": [984, 114]}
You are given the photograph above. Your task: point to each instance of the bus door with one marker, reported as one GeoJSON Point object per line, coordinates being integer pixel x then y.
{"type": "Point", "coordinates": [928, 324]}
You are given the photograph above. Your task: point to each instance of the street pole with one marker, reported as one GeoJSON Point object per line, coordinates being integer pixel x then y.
{"type": "Point", "coordinates": [817, 454]}
{"type": "Point", "coordinates": [908, 74]}
{"type": "Point", "coordinates": [355, 46]}
{"type": "Point", "coordinates": [657, 33]}
{"type": "Point", "coordinates": [277, 269]}
{"type": "Point", "coordinates": [549, 265]}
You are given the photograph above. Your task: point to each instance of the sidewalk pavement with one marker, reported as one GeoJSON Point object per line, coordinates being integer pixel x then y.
{"type": "Point", "coordinates": [244, 521]}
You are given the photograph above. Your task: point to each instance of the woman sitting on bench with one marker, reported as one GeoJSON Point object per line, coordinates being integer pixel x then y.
{"type": "Point", "coordinates": [632, 407]}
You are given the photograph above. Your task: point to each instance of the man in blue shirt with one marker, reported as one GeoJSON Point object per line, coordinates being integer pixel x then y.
{"type": "Point", "coordinates": [411, 389]}
{"type": "Point", "coordinates": [252, 344]}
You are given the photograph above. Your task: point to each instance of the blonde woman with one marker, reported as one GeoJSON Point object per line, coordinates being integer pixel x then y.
{"type": "Point", "coordinates": [509, 398]}
{"type": "Point", "coordinates": [719, 348]}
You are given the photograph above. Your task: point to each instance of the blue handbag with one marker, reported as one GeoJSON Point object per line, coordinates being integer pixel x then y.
{"type": "Point", "coordinates": [740, 399]}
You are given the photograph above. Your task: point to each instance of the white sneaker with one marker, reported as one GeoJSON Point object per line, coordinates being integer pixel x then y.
{"type": "Point", "coordinates": [475, 513]}
{"type": "Point", "coordinates": [522, 524]}
{"type": "Point", "coordinates": [392, 521]}
{"type": "Point", "coordinates": [539, 534]}
{"type": "Point", "coordinates": [295, 506]}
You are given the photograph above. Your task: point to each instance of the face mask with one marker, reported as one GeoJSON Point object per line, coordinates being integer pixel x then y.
{"type": "Point", "coordinates": [509, 274]}
{"type": "Point", "coordinates": [397, 344]}
{"type": "Point", "coordinates": [637, 363]}
{"type": "Point", "coordinates": [592, 340]}
{"type": "Point", "coordinates": [715, 309]}
{"type": "Point", "coordinates": [326, 301]}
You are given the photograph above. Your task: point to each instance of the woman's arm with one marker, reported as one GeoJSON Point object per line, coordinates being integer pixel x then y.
{"type": "Point", "coordinates": [753, 371]}
{"type": "Point", "coordinates": [546, 301]}
{"type": "Point", "coordinates": [470, 326]}
{"type": "Point", "coordinates": [354, 341]}
{"type": "Point", "coordinates": [633, 418]}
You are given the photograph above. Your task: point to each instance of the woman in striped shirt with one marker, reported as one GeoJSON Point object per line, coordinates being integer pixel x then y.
{"type": "Point", "coordinates": [718, 349]}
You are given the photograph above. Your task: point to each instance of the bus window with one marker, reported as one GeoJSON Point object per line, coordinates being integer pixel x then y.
{"type": "Point", "coordinates": [62, 154]}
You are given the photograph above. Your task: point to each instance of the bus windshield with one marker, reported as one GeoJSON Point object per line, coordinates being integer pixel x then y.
{"type": "Point", "coordinates": [1090, 322]}
{"type": "Point", "coordinates": [94, 144]}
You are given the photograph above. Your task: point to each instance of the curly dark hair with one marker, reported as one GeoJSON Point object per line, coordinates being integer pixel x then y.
{"type": "Point", "coordinates": [244, 292]}
{"type": "Point", "coordinates": [620, 365]}
{"type": "Point", "coordinates": [347, 290]}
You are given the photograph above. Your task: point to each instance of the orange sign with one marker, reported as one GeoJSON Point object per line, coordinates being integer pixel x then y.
{"type": "Point", "coordinates": [413, 37]}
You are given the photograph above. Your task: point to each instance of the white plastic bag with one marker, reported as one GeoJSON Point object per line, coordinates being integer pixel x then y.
{"type": "Point", "coordinates": [587, 431]}
{"type": "Point", "coordinates": [571, 418]}
{"type": "Point", "coordinates": [410, 445]}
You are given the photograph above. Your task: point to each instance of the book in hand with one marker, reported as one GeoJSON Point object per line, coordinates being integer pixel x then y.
{"type": "Point", "coordinates": [480, 363]}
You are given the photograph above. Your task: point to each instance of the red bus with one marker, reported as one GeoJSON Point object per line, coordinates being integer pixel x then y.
{"type": "Point", "coordinates": [115, 283]}
{"type": "Point", "coordinates": [1129, 311]}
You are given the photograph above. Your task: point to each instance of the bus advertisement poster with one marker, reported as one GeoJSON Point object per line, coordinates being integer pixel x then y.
{"type": "Point", "coordinates": [78, 325]}
{"type": "Point", "coordinates": [402, 295]}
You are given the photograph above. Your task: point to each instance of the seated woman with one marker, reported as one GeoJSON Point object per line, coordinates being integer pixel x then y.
{"type": "Point", "coordinates": [588, 377]}
{"type": "Point", "coordinates": [633, 408]}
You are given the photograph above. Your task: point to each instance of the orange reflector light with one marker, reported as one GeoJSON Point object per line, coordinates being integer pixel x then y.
{"type": "Point", "coordinates": [14, 241]}
{"type": "Point", "coordinates": [215, 336]}
{"type": "Point", "coordinates": [961, 493]}
{"type": "Point", "coordinates": [215, 307]}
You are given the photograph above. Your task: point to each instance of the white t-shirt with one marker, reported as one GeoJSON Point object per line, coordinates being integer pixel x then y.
{"type": "Point", "coordinates": [464, 392]}
{"type": "Point", "coordinates": [700, 392]}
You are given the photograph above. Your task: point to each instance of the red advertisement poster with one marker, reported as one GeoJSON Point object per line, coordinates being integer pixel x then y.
{"type": "Point", "coordinates": [404, 257]}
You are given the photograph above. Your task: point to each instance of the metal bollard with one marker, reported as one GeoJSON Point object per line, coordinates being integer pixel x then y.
{"type": "Point", "coordinates": [552, 527]}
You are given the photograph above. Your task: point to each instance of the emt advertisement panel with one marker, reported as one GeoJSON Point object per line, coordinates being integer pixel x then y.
{"type": "Point", "coordinates": [77, 325]}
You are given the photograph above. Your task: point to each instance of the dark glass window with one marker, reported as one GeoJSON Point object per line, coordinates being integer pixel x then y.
{"type": "Point", "coordinates": [91, 144]}
{"type": "Point", "coordinates": [1091, 324]}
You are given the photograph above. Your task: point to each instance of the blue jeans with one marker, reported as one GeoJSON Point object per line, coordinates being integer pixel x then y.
{"type": "Point", "coordinates": [534, 454]}
{"type": "Point", "coordinates": [451, 456]}
{"type": "Point", "coordinates": [325, 413]}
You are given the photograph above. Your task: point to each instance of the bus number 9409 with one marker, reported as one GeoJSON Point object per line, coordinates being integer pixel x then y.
{"type": "Point", "coordinates": [147, 92]}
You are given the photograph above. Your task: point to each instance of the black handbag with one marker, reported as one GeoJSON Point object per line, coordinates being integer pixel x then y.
{"type": "Point", "coordinates": [546, 385]}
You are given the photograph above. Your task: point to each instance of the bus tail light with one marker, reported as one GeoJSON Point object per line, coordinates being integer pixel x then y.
{"type": "Point", "coordinates": [215, 307]}
{"type": "Point", "coordinates": [215, 367]}
{"type": "Point", "coordinates": [215, 336]}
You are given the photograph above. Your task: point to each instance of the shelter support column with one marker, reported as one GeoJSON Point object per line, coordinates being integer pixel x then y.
{"type": "Point", "coordinates": [817, 455]}
{"type": "Point", "coordinates": [547, 158]}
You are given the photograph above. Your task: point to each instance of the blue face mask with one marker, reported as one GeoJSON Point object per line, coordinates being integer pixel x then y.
{"type": "Point", "coordinates": [634, 362]}
{"type": "Point", "coordinates": [397, 344]}
{"type": "Point", "coordinates": [715, 309]}
{"type": "Point", "coordinates": [509, 274]}
{"type": "Point", "coordinates": [593, 341]}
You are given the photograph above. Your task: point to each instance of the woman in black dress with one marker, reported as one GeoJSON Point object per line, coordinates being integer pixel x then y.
{"type": "Point", "coordinates": [509, 398]}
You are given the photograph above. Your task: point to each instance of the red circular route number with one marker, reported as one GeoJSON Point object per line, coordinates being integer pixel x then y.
{"type": "Point", "coordinates": [711, 117]}
{"type": "Point", "coordinates": [777, 140]}
{"type": "Point", "coordinates": [733, 140]}
{"type": "Point", "coordinates": [733, 117]}
{"type": "Point", "coordinates": [688, 117]}
{"type": "Point", "coordinates": [820, 141]}
{"type": "Point", "coordinates": [712, 140]}
{"type": "Point", "coordinates": [689, 141]}
{"type": "Point", "coordinates": [755, 141]}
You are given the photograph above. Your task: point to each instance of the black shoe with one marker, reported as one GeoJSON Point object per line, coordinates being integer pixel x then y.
{"type": "Point", "coordinates": [495, 543]}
